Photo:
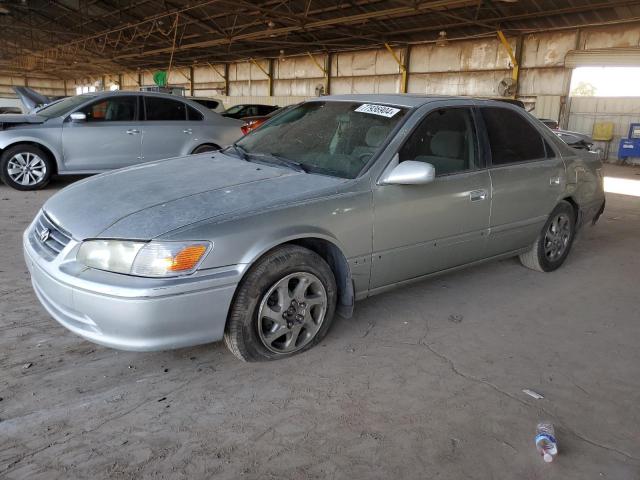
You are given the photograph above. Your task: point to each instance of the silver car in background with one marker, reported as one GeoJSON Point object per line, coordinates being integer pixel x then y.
{"type": "Point", "coordinates": [96, 132]}
{"type": "Point", "coordinates": [337, 199]}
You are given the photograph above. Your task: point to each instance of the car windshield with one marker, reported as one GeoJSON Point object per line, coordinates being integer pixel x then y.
{"type": "Point", "coordinates": [234, 109]}
{"type": "Point", "coordinates": [63, 107]}
{"type": "Point", "coordinates": [332, 138]}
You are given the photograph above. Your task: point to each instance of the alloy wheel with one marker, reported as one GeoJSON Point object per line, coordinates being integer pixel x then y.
{"type": "Point", "coordinates": [557, 237]}
{"type": "Point", "coordinates": [26, 168]}
{"type": "Point", "coordinates": [292, 312]}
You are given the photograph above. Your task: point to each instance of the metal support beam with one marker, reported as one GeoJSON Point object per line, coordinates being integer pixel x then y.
{"type": "Point", "coordinates": [224, 74]}
{"type": "Point", "coordinates": [226, 79]}
{"type": "Point", "coordinates": [324, 70]}
{"type": "Point", "coordinates": [402, 65]}
{"type": "Point", "coordinates": [328, 59]}
{"type": "Point", "coordinates": [515, 69]}
{"type": "Point", "coordinates": [268, 73]}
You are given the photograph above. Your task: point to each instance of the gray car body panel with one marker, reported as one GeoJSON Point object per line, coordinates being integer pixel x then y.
{"type": "Point", "coordinates": [92, 147]}
{"type": "Point", "coordinates": [386, 234]}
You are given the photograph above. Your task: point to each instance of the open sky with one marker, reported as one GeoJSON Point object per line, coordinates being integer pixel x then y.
{"type": "Point", "coordinates": [609, 81]}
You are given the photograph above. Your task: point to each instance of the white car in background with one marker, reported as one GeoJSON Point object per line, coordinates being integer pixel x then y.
{"type": "Point", "coordinates": [213, 104]}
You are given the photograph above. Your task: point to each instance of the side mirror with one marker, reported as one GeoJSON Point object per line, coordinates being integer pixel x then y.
{"type": "Point", "coordinates": [78, 117]}
{"type": "Point", "coordinates": [410, 172]}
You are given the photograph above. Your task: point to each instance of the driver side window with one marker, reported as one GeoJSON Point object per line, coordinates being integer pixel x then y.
{"type": "Point", "coordinates": [446, 140]}
{"type": "Point", "coordinates": [114, 109]}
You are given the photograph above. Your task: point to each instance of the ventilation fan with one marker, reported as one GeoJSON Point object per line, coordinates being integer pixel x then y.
{"type": "Point", "coordinates": [507, 87]}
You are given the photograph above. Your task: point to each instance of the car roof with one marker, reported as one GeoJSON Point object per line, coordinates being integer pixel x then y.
{"type": "Point", "coordinates": [407, 99]}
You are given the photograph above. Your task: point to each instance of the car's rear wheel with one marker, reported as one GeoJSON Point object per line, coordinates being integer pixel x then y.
{"type": "Point", "coordinates": [552, 246]}
{"type": "Point", "coordinates": [25, 167]}
{"type": "Point", "coordinates": [283, 306]}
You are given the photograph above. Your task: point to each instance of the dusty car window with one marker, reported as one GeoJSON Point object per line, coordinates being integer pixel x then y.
{"type": "Point", "coordinates": [115, 109]}
{"type": "Point", "coordinates": [445, 139]}
{"type": "Point", "coordinates": [512, 138]}
{"type": "Point", "coordinates": [333, 138]}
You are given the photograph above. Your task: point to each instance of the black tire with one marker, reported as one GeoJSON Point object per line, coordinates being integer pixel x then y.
{"type": "Point", "coordinates": [205, 148]}
{"type": "Point", "coordinates": [26, 150]}
{"type": "Point", "coordinates": [539, 257]}
{"type": "Point", "coordinates": [242, 334]}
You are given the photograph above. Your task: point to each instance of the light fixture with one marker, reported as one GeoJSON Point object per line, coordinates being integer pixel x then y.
{"type": "Point", "coordinates": [442, 39]}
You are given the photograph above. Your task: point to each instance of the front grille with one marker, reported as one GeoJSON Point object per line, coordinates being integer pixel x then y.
{"type": "Point", "coordinates": [48, 236]}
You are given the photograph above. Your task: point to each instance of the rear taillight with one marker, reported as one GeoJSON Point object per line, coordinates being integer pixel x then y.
{"type": "Point", "coordinates": [251, 125]}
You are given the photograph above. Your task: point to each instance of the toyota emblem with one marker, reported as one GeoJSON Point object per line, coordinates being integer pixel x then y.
{"type": "Point", "coordinates": [44, 235]}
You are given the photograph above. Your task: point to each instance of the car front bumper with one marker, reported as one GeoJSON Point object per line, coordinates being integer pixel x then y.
{"type": "Point", "coordinates": [131, 313]}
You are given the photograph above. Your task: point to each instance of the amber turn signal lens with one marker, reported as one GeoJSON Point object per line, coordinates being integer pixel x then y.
{"type": "Point", "coordinates": [187, 258]}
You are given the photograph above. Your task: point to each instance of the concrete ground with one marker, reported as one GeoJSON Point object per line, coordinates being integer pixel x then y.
{"type": "Point", "coordinates": [424, 382]}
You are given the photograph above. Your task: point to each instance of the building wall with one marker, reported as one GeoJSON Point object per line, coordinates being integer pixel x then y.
{"type": "Point", "coordinates": [469, 67]}
{"type": "Point", "coordinates": [46, 86]}
{"type": "Point", "coordinates": [586, 111]}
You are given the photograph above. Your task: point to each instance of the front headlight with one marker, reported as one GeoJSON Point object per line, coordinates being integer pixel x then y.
{"type": "Point", "coordinates": [144, 259]}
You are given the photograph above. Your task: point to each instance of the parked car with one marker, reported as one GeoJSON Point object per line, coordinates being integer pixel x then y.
{"type": "Point", "coordinates": [252, 110]}
{"type": "Point", "coordinates": [335, 200]}
{"type": "Point", "coordinates": [251, 123]}
{"type": "Point", "coordinates": [576, 140]}
{"type": "Point", "coordinates": [96, 132]}
{"type": "Point", "coordinates": [213, 104]}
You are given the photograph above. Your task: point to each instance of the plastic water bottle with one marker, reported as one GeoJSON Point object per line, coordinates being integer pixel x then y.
{"type": "Point", "coordinates": [546, 441]}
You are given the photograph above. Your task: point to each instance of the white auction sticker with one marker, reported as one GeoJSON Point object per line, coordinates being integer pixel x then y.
{"type": "Point", "coordinates": [381, 110]}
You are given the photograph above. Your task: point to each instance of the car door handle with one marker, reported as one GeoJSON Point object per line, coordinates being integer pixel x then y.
{"type": "Point", "coordinates": [554, 181]}
{"type": "Point", "coordinates": [188, 131]}
{"type": "Point", "coordinates": [478, 195]}
{"type": "Point", "coordinates": [133, 131]}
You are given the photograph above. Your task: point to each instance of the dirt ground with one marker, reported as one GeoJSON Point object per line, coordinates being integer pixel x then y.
{"type": "Point", "coordinates": [424, 382]}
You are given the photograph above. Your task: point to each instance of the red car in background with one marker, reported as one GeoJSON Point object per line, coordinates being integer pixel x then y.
{"type": "Point", "coordinates": [251, 123]}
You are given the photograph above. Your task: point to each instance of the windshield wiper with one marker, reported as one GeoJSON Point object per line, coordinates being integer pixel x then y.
{"type": "Point", "coordinates": [297, 166]}
{"type": "Point", "coordinates": [241, 152]}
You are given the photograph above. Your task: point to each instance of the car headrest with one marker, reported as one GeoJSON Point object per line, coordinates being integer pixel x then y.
{"type": "Point", "coordinates": [375, 136]}
{"type": "Point", "coordinates": [447, 144]}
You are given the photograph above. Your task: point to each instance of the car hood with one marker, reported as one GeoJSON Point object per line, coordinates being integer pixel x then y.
{"type": "Point", "coordinates": [30, 98]}
{"type": "Point", "coordinates": [149, 200]}
{"type": "Point", "coordinates": [9, 119]}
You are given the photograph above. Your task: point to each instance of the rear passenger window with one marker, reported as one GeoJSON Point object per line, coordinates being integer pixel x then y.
{"type": "Point", "coordinates": [194, 114]}
{"type": "Point", "coordinates": [445, 139]}
{"type": "Point", "coordinates": [511, 137]}
{"type": "Point", "coordinates": [165, 109]}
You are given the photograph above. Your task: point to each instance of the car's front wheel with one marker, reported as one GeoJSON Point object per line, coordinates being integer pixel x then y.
{"type": "Point", "coordinates": [25, 167]}
{"type": "Point", "coordinates": [284, 305]}
{"type": "Point", "coordinates": [552, 246]}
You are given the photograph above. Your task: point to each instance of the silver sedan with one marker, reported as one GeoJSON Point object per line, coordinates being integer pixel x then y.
{"type": "Point", "coordinates": [332, 201]}
{"type": "Point", "coordinates": [96, 132]}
